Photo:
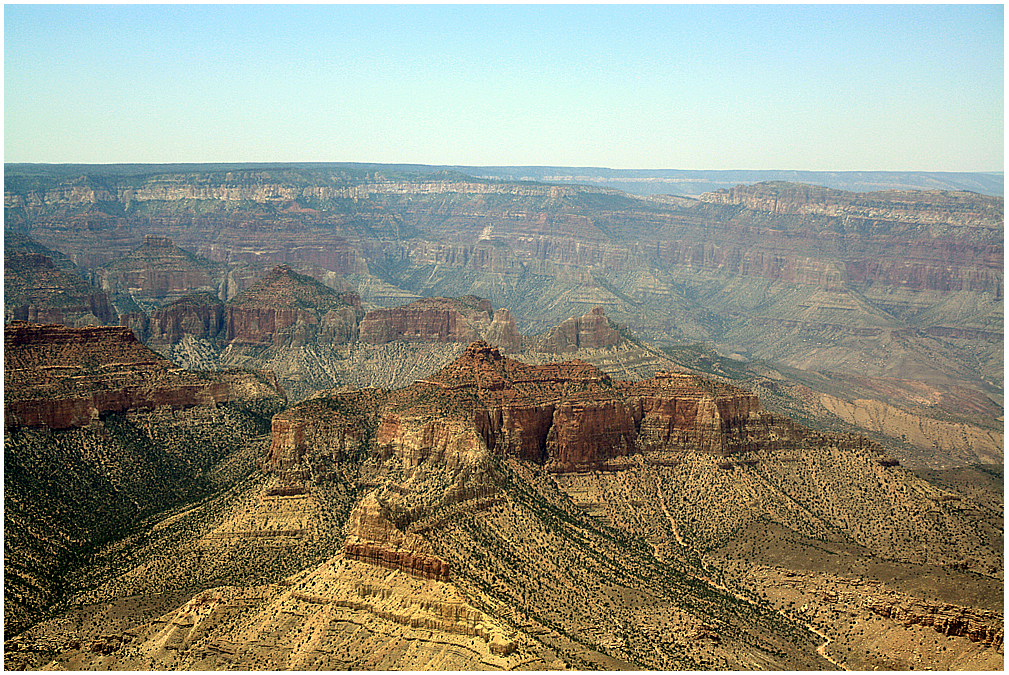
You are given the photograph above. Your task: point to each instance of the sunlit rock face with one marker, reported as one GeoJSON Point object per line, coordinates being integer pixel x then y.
{"type": "Point", "coordinates": [60, 377]}
{"type": "Point", "coordinates": [567, 416]}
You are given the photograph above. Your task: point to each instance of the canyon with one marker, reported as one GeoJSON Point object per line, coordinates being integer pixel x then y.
{"type": "Point", "coordinates": [374, 417]}
{"type": "Point", "coordinates": [458, 522]}
{"type": "Point", "coordinates": [892, 286]}
{"type": "Point", "coordinates": [893, 283]}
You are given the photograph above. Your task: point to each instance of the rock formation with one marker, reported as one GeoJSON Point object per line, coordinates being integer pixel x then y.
{"type": "Point", "coordinates": [592, 331]}
{"type": "Point", "coordinates": [289, 307]}
{"type": "Point", "coordinates": [287, 322]}
{"type": "Point", "coordinates": [376, 540]}
{"type": "Point", "coordinates": [977, 626]}
{"type": "Point", "coordinates": [566, 416]}
{"type": "Point", "coordinates": [160, 271]}
{"type": "Point", "coordinates": [36, 290]}
{"type": "Point", "coordinates": [60, 377]}
{"type": "Point", "coordinates": [442, 320]}
{"type": "Point", "coordinates": [200, 315]}
{"type": "Point", "coordinates": [284, 306]}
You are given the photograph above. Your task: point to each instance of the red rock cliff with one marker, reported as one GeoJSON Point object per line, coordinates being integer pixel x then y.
{"type": "Point", "coordinates": [591, 331]}
{"type": "Point", "coordinates": [290, 308]}
{"type": "Point", "coordinates": [66, 377]}
{"type": "Point", "coordinates": [441, 320]}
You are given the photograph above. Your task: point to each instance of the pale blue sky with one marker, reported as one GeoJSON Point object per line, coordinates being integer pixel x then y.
{"type": "Point", "coordinates": [804, 87]}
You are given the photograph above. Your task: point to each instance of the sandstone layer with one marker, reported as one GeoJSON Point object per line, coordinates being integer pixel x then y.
{"type": "Point", "coordinates": [60, 377]}
{"type": "Point", "coordinates": [36, 290]}
{"type": "Point", "coordinates": [892, 284]}
{"type": "Point", "coordinates": [441, 320]}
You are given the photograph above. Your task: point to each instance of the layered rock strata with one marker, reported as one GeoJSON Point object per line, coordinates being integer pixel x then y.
{"type": "Point", "coordinates": [61, 377]}
{"type": "Point", "coordinates": [375, 539]}
{"type": "Point", "coordinates": [36, 290]}
{"type": "Point", "coordinates": [159, 270]}
{"type": "Point", "coordinates": [591, 331]}
{"type": "Point", "coordinates": [568, 416]}
{"type": "Point", "coordinates": [897, 284]}
{"type": "Point", "coordinates": [948, 619]}
{"type": "Point", "coordinates": [283, 309]}
{"type": "Point", "coordinates": [200, 315]}
{"type": "Point", "coordinates": [287, 301]}
{"type": "Point", "coordinates": [441, 320]}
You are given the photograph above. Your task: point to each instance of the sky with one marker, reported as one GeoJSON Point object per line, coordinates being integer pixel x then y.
{"type": "Point", "coordinates": [791, 87]}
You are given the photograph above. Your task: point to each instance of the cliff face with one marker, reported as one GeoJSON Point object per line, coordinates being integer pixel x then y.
{"type": "Point", "coordinates": [282, 308]}
{"type": "Point", "coordinates": [797, 233]}
{"type": "Point", "coordinates": [922, 228]}
{"type": "Point", "coordinates": [36, 290]}
{"type": "Point", "coordinates": [200, 315]}
{"type": "Point", "coordinates": [296, 325]}
{"type": "Point", "coordinates": [159, 270]}
{"type": "Point", "coordinates": [592, 331]}
{"type": "Point", "coordinates": [62, 378]}
{"type": "Point", "coordinates": [289, 307]}
{"type": "Point", "coordinates": [565, 416]}
{"type": "Point", "coordinates": [463, 319]}
{"type": "Point", "coordinates": [948, 619]}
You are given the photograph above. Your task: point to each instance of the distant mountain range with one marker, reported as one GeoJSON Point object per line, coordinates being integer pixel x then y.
{"type": "Point", "coordinates": [687, 182]}
{"type": "Point", "coordinates": [693, 183]}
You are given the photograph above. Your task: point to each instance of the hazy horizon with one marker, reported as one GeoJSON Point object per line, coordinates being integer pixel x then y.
{"type": "Point", "coordinates": [819, 88]}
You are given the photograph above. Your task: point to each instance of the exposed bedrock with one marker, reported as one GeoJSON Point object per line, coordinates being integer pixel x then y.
{"type": "Point", "coordinates": [591, 331]}
{"type": "Point", "coordinates": [566, 416]}
{"type": "Point", "coordinates": [375, 539]}
{"type": "Point", "coordinates": [462, 319]}
{"type": "Point", "coordinates": [62, 377]}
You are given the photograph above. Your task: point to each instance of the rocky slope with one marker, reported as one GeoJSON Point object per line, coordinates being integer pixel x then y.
{"type": "Point", "coordinates": [501, 515]}
{"type": "Point", "coordinates": [101, 433]}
